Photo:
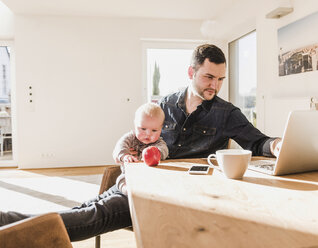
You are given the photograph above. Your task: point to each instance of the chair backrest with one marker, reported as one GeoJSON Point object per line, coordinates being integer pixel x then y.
{"type": "Point", "coordinates": [46, 230]}
{"type": "Point", "coordinates": [110, 175]}
{"type": "Point", "coordinates": [109, 178]}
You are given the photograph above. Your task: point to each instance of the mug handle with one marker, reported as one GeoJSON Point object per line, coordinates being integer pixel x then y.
{"type": "Point", "coordinates": [211, 164]}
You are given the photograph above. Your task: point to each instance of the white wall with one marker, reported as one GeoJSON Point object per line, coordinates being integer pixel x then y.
{"type": "Point", "coordinates": [82, 70]}
{"type": "Point", "coordinates": [272, 88]}
{"type": "Point", "coordinates": [6, 23]}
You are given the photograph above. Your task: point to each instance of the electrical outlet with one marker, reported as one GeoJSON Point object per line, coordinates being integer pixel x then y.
{"type": "Point", "coordinates": [46, 155]}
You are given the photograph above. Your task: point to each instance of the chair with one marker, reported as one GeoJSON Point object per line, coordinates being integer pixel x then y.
{"type": "Point", "coordinates": [46, 230]}
{"type": "Point", "coordinates": [109, 179]}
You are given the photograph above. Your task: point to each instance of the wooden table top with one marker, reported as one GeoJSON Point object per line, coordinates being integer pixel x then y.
{"type": "Point", "coordinates": [171, 208]}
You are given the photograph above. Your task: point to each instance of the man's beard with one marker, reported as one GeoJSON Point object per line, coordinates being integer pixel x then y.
{"type": "Point", "coordinates": [200, 93]}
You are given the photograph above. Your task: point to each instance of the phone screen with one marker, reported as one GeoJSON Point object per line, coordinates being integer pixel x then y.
{"type": "Point", "coordinates": [199, 169]}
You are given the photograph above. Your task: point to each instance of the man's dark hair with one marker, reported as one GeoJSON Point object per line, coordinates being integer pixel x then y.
{"type": "Point", "coordinates": [211, 52]}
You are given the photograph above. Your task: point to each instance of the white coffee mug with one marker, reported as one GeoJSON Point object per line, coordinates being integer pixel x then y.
{"type": "Point", "coordinates": [232, 162]}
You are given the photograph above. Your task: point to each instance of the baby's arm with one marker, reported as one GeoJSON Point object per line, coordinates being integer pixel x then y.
{"type": "Point", "coordinates": [122, 150]}
{"type": "Point", "coordinates": [163, 148]}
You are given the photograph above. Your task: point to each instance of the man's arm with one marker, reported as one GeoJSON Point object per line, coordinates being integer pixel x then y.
{"type": "Point", "coordinates": [248, 136]}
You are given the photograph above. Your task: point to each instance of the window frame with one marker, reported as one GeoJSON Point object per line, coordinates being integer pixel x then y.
{"type": "Point", "coordinates": [233, 84]}
{"type": "Point", "coordinates": [161, 44]}
{"type": "Point", "coordinates": [13, 162]}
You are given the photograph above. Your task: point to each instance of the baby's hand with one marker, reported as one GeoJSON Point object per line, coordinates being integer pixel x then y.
{"type": "Point", "coordinates": [133, 152]}
{"type": "Point", "coordinates": [129, 159]}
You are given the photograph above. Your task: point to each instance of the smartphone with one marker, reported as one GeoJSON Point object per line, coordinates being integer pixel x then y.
{"type": "Point", "coordinates": [199, 169]}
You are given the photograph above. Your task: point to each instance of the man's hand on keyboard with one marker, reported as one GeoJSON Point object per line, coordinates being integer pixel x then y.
{"type": "Point", "coordinates": [275, 146]}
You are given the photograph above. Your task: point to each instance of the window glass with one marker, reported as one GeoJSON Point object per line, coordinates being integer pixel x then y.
{"type": "Point", "coordinates": [5, 105]}
{"type": "Point", "coordinates": [167, 71]}
{"type": "Point", "coordinates": [243, 77]}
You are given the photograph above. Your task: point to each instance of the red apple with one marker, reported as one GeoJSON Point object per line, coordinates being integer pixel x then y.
{"type": "Point", "coordinates": [151, 156]}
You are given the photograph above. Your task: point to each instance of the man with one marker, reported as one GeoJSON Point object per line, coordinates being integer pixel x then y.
{"type": "Point", "coordinates": [197, 123]}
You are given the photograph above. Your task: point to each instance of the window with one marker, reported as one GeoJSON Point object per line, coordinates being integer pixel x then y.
{"type": "Point", "coordinates": [166, 67]}
{"type": "Point", "coordinates": [5, 105]}
{"type": "Point", "coordinates": [167, 71]}
{"type": "Point", "coordinates": [242, 75]}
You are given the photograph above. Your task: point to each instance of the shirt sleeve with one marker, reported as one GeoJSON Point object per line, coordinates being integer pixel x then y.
{"type": "Point", "coordinates": [163, 148]}
{"type": "Point", "coordinates": [123, 146]}
{"type": "Point", "coordinates": [246, 135]}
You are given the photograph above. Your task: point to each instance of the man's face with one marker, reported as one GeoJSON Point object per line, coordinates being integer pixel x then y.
{"type": "Point", "coordinates": [207, 80]}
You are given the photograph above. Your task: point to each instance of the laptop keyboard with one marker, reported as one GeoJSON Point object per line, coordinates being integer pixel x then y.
{"type": "Point", "coordinates": [263, 164]}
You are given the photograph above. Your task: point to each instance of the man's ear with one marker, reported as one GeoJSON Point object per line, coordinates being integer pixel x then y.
{"type": "Point", "coordinates": [191, 72]}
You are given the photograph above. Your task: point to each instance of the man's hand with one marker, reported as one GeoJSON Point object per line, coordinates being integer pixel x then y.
{"type": "Point", "coordinates": [275, 146]}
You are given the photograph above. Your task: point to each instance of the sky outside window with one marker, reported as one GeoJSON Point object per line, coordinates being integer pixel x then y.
{"type": "Point", "coordinates": [247, 64]}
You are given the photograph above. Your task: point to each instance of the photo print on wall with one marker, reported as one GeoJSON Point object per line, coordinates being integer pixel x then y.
{"type": "Point", "coordinates": [298, 46]}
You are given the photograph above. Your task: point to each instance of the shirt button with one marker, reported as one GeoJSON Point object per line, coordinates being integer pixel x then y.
{"type": "Point", "coordinates": [184, 129]}
{"type": "Point", "coordinates": [179, 145]}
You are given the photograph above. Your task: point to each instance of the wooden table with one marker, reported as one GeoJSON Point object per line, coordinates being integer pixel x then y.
{"type": "Point", "coordinates": [171, 208]}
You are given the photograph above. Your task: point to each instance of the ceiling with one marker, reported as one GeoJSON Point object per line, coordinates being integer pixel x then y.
{"type": "Point", "coordinates": [167, 9]}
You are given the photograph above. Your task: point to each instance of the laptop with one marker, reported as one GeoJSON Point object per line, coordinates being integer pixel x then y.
{"type": "Point", "coordinates": [299, 150]}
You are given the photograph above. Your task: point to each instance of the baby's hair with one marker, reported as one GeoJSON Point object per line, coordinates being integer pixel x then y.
{"type": "Point", "coordinates": [151, 110]}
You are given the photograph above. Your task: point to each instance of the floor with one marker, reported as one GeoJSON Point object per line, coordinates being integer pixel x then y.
{"type": "Point", "coordinates": [48, 190]}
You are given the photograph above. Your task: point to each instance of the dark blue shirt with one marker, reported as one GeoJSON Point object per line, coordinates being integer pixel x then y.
{"type": "Point", "coordinates": [208, 128]}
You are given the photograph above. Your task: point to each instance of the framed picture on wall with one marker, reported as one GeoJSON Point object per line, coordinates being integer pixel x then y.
{"type": "Point", "coordinates": [298, 46]}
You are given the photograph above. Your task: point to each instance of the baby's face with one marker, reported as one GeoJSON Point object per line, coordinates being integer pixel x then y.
{"type": "Point", "coordinates": [148, 129]}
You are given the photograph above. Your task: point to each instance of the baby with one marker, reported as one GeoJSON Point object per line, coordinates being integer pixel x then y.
{"type": "Point", "coordinates": [148, 123]}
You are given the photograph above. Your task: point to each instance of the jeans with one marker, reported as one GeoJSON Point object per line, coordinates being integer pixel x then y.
{"type": "Point", "coordinates": [107, 212]}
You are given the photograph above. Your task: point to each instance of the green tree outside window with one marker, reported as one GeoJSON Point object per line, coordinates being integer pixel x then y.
{"type": "Point", "coordinates": [155, 81]}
